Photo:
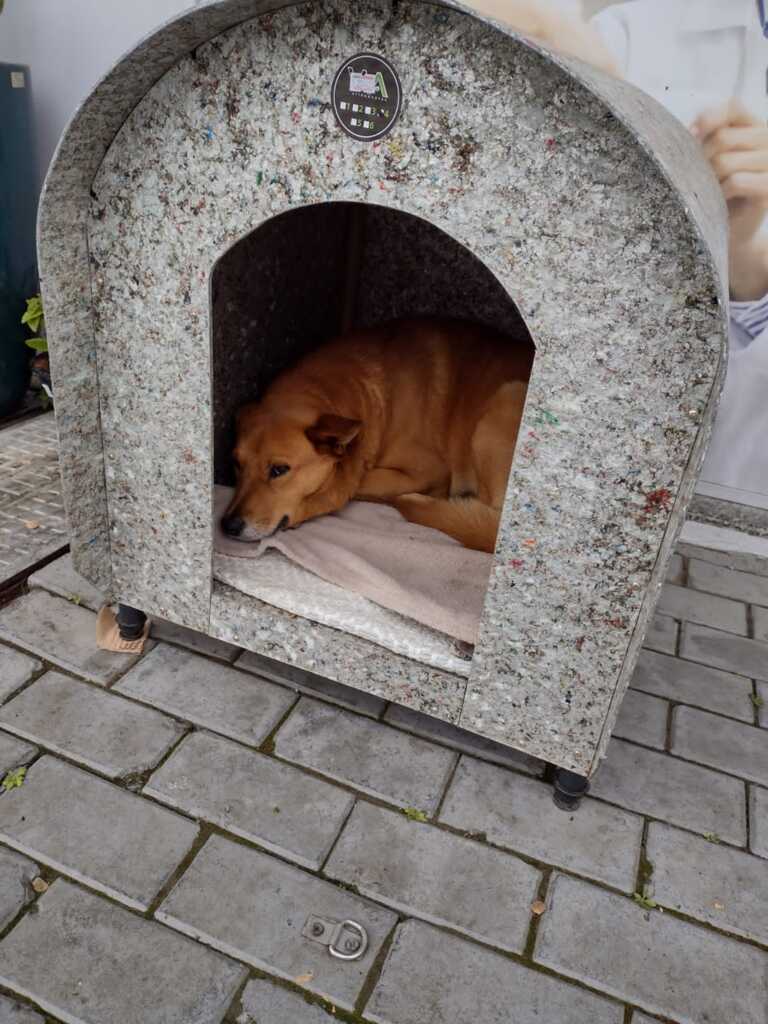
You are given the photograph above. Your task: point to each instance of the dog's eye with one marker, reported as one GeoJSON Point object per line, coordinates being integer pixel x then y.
{"type": "Point", "coordinates": [275, 471]}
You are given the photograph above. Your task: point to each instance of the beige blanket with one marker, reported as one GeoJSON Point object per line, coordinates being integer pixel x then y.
{"type": "Point", "coordinates": [371, 550]}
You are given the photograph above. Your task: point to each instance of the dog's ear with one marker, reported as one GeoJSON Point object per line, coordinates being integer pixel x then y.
{"type": "Point", "coordinates": [331, 434]}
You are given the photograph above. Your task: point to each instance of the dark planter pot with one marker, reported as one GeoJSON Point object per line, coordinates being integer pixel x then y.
{"type": "Point", "coordinates": [18, 210]}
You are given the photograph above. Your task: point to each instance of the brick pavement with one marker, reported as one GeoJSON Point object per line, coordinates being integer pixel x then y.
{"type": "Point", "coordinates": [184, 814]}
{"type": "Point", "coordinates": [32, 520]}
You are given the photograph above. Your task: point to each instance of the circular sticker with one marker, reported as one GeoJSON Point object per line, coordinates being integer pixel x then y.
{"type": "Point", "coordinates": [366, 96]}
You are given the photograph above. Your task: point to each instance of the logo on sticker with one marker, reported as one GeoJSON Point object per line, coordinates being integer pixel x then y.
{"type": "Point", "coordinates": [362, 81]}
{"type": "Point", "coordinates": [366, 97]}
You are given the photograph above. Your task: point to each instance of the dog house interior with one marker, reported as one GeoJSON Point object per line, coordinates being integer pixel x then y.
{"type": "Point", "coordinates": [308, 275]}
{"type": "Point", "coordinates": [208, 219]}
{"type": "Point", "coordinates": [301, 279]}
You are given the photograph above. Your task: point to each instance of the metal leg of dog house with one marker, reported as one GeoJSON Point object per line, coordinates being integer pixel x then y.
{"type": "Point", "coordinates": [568, 788]}
{"type": "Point", "coordinates": [130, 622]}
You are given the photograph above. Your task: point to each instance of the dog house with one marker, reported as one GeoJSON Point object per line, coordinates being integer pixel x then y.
{"type": "Point", "coordinates": [255, 176]}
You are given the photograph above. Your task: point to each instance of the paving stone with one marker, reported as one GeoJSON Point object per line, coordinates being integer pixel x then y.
{"type": "Point", "coordinates": [716, 579]}
{"type": "Point", "coordinates": [710, 882]}
{"type": "Point", "coordinates": [372, 757]}
{"type": "Point", "coordinates": [426, 872]}
{"type": "Point", "coordinates": [720, 743]}
{"type": "Point", "coordinates": [107, 733]}
{"type": "Point", "coordinates": [762, 710]}
{"type": "Point", "coordinates": [13, 752]}
{"type": "Point", "coordinates": [217, 697]}
{"type": "Point", "coordinates": [62, 633]}
{"type": "Point", "coordinates": [664, 787]}
{"type": "Point", "coordinates": [15, 670]}
{"type": "Point", "coordinates": [641, 1018]}
{"type": "Point", "coordinates": [12, 1012]}
{"type": "Point", "coordinates": [313, 685]}
{"type": "Point", "coordinates": [689, 683]}
{"type": "Point", "coordinates": [662, 635]}
{"type": "Point", "coordinates": [658, 962]}
{"type": "Point", "coordinates": [60, 578]}
{"type": "Point", "coordinates": [707, 609]}
{"type": "Point", "coordinates": [461, 739]}
{"type": "Point", "coordinates": [16, 874]}
{"type": "Point", "coordinates": [676, 570]}
{"type": "Point", "coordinates": [758, 820]}
{"type": "Point", "coordinates": [520, 814]}
{"type": "Point", "coordinates": [255, 907]}
{"type": "Point", "coordinates": [194, 641]}
{"type": "Point", "coordinates": [266, 1002]}
{"type": "Point", "coordinates": [643, 719]}
{"type": "Point", "coordinates": [430, 977]}
{"type": "Point", "coordinates": [718, 545]}
{"type": "Point", "coordinates": [87, 961]}
{"type": "Point", "coordinates": [277, 806]}
{"type": "Point", "coordinates": [106, 837]}
{"type": "Point", "coordinates": [724, 650]}
{"type": "Point", "coordinates": [760, 621]}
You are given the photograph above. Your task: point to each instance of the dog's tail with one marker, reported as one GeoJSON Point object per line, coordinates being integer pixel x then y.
{"type": "Point", "coordinates": [467, 520]}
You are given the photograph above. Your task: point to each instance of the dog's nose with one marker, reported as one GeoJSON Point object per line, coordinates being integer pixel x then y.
{"type": "Point", "coordinates": [232, 525]}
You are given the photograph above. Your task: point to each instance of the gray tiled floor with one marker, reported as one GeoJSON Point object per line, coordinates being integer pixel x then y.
{"type": "Point", "coordinates": [32, 522]}
{"type": "Point", "coordinates": [205, 814]}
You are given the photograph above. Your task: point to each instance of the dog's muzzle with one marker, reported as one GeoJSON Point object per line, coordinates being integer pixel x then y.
{"type": "Point", "coordinates": [237, 528]}
{"type": "Point", "coordinates": [233, 526]}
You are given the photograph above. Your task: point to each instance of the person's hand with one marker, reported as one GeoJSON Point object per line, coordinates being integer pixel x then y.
{"type": "Point", "coordinates": [736, 145]}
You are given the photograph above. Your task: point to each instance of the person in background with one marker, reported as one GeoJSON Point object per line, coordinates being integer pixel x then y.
{"type": "Point", "coordinates": [706, 61]}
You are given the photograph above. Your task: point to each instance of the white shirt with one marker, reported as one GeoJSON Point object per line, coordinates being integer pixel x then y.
{"type": "Point", "coordinates": [691, 55]}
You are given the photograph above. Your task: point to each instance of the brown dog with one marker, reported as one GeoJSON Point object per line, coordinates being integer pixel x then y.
{"type": "Point", "coordinates": [420, 414]}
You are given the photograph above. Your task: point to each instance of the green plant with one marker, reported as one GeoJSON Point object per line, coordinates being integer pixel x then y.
{"type": "Point", "coordinates": [415, 814]}
{"type": "Point", "coordinates": [13, 779]}
{"type": "Point", "coordinates": [34, 319]}
{"type": "Point", "coordinates": [644, 899]}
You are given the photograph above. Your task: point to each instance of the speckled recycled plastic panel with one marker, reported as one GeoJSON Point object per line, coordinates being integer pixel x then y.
{"type": "Point", "coordinates": [616, 273]}
{"type": "Point", "coordinates": [294, 640]}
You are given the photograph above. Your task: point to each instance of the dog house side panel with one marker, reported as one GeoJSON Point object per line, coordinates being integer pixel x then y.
{"type": "Point", "coordinates": [72, 349]}
{"type": "Point", "coordinates": [526, 169]}
{"type": "Point", "coordinates": [65, 268]}
{"type": "Point", "coordinates": [678, 156]}
{"type": "Point", "coordinates": [571, 701]}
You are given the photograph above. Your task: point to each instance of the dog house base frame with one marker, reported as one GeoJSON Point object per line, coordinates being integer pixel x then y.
{"type": "Point", "coordinates": [590, 206]}
{"type": "Point", "coordinates": [568, 787]}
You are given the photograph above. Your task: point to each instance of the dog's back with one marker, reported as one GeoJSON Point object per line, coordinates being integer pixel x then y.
{"type": "Point", "coordinates": [428, 378]}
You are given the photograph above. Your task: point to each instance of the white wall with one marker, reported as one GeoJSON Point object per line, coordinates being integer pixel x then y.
{"type": "Point", "coordinates": [69, 45]}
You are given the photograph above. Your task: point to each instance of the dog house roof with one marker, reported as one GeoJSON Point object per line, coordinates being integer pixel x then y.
{"type": "Point", "coordinates": [664, 250]}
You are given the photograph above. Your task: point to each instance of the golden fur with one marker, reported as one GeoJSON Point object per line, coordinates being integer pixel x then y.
{"type": "Point", "coordinates": [421, 414]}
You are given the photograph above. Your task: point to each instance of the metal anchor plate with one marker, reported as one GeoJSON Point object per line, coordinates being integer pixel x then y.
{"type": "Point", "coordinates": [346, 940]}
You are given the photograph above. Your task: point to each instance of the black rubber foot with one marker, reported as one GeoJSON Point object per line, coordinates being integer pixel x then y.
{"type": "Point", "coordinates": [568, 789]}
{"type": "Point", "coordinates": [130, 622]}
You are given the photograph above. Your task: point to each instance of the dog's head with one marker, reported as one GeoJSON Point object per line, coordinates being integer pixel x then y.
{"type": "Point", "coordinates": [287, 470]}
